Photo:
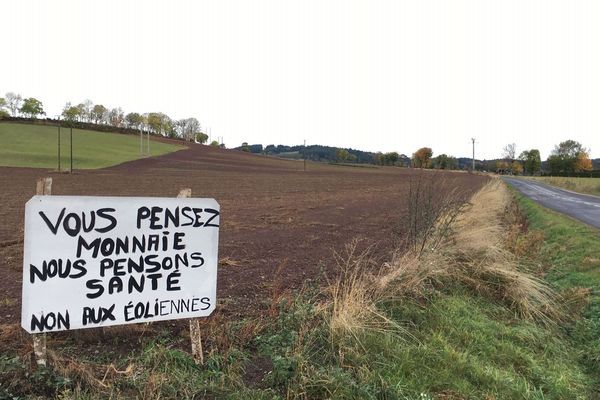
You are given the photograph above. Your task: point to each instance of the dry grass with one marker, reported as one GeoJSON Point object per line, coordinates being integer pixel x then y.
{"type": "Point", "coordinates": [472, 253]}
{"type": "Point", "coordinates": [355, 294]}
{"type": "Point", "coordinates": [15, 338]}
{"type": "Point", "coordinates": [481, 240]}
{"type": "Point", "coordinates": [580, 185]}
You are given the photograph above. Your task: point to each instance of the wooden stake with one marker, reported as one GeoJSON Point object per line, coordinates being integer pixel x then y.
{"type": "Point", "coordinates": [43, 188]}
{"type": "Point", "coordinates": [195, 333]}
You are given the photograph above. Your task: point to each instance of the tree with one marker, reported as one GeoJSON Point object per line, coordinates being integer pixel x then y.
{"type": "Point", "coordinates": [422, 157]}
{"type": "Point", "coordinates": [502, 167]}
{"type": "Point", "coordinates": [583, 162]}
{"type": "Point", "coordinates": [3, 112]}
{"type": "Point", "coordinates": [378, 158]}
{"type": "Point", "coordinates": [134, 120]}
{"type": "Point", "coordinates": [71, 113]}
{"type": "Point", "coordinates": [245, 147]}
{"type": "Point", "coordinates": [97, 114]}
{"type": "Point", "coordinates": [187, 129]}
{"type": "Point", "coordinates": [516, 168]}
{"type": "Point", "coordinates": [555, 164]}
{"type": "Point", "coordinates": [565, 155]}
{"type": "Point", "coordinates": [390, 158]}
{"type": "Point", "coordinates": [154, 122]}
{"type": "Point", "coordinates": [445, 162]}
{"type": "Point", "coordinates": [342, 155]}
{"type": "Point", "coordinates": [13, 103]}
{"type": "Point", "coordinates": [116, 117]}
{"type": "Point", "coordinates": [214, 143]}
{"type": "Point", "coordinates": [201, 137]}
{"type": "Point", "coordinates": [532, 162]}
{"type": "Point", "coordinates": [509, 152]}
{"type": "Point", "coordinates": [160, 124]}
{"type": "Point", "coordinates": [32, 107]}
{"type": "Point", "coordinates": [85, 110]}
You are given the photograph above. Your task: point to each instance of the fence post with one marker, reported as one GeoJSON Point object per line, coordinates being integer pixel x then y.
{"type": "Point", "coordinates": [43, 188]}
{"type": "Point", "coordinates": [195, 334]}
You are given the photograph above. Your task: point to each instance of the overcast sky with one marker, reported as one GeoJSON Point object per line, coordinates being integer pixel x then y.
{"type": "Point", "coordinates": [373, 75]}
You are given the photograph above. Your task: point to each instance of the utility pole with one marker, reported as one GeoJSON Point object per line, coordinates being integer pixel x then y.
{"type": "Point", "coordinates": [71, 150]}
{"type": "Point", "coordinates": [141, 142]}
{"type": "Point", "coordinates": [59, 143]}
{"type": "Point", "coordinates": [304, 155]}
{"type": "Point", "coordinates": [473, 167]}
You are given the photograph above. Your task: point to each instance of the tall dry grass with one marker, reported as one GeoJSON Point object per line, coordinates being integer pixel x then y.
{"type": "Point", "coordinates": [580, 185]}
{"type": "Point", "coordinates": [469, 250]}
{"type": "Point", "coordinates": [352, 306]}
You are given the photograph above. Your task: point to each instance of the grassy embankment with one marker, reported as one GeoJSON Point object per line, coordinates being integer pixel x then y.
{"type": "Point", "coordinates": [35, 146]}
{"type": "Point", "coordinates": [571, 250]}
{"type": "Point", "coordinates": [580, 185]}
{"type": "Point", "coordinates": [467, 315]}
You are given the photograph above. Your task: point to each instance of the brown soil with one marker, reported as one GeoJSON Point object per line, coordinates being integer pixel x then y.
{"type": "Point", "coordinates": [279, 224]}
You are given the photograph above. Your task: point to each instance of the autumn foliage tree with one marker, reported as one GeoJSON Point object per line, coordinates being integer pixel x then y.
{"type": "Point", "coordinates": [568, 157]}
{"type": "Point", "coordinates": [422, 157]}
{"type": "Point", "coordinates": [516, 168]}
{"type": "Point", "coordinates": [342, 155]}
{"type": "Point", "coordinates": [502, 167]}
{"type": "Point", "coordinates": [583, 162]}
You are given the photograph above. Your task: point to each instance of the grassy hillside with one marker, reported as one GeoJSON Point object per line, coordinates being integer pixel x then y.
{"type": "Point", "coordinates": [36, 146]}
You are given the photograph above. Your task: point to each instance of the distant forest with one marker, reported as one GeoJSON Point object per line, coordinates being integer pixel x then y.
{"type": "Point", "coordinates": [327, 154]}
{"type": "Point", "coordinates": [348, 155]}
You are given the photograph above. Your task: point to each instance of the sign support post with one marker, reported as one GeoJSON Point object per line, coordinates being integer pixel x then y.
{"type": "Point", "coordinates": [43, 188]}
{"type": "Point", "coordinates": [195, 333]}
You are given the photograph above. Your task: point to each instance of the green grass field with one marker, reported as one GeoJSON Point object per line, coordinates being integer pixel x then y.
{"type": "Point", "coordinates": [36, 146]}
{"type": "Point", "coordinates": [580, 185]}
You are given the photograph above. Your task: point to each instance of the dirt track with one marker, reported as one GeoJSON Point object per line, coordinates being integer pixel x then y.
{"type": "Point", "coordinates": [279, 223]}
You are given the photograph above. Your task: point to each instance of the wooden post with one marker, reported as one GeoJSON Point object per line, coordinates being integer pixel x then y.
{"type": "Point", "coordinates": [195, 334]}
{"type": "Point", "coordinates": [71, 170]}
{"type": "Point", "coordinates": [43, 188]}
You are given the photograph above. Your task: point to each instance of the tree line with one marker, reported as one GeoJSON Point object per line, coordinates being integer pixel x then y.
{"type": "Point", "coordinates": [567, 158]}
{"type": "Point", "coordinates": [158, 123]}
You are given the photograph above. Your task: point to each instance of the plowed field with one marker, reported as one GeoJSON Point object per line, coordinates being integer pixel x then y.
{"type": "Point", "coordinates": [279, 224]}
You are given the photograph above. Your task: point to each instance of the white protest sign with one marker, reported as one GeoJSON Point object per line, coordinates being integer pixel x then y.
{"type": "Point", "coordinates": [101, 261]}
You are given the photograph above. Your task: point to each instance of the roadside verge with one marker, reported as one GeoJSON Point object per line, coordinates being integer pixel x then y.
{"type": "Point", "coordinates": [571, 254]}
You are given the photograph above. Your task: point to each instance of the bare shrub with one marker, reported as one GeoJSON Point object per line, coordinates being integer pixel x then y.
{"type": "Point", "coordinates": [432, 208]}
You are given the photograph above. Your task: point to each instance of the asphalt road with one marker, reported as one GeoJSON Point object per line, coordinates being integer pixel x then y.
{"type": "Point", "coordinates": [583, 207]}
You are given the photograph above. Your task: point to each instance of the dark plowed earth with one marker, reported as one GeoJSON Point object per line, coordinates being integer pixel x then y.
{"type": "Point", "coordinates": [279, 224]}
